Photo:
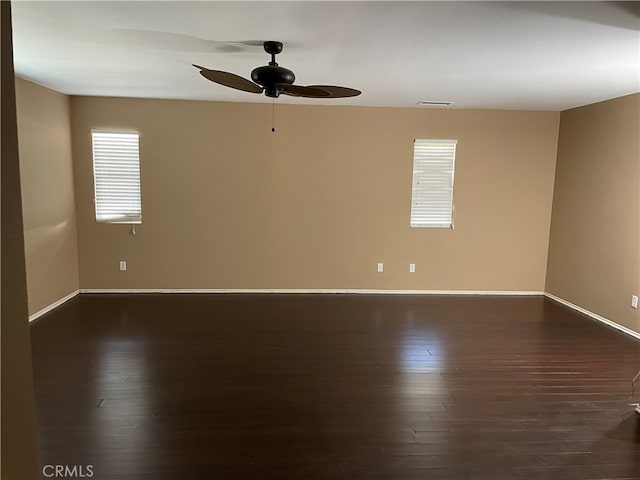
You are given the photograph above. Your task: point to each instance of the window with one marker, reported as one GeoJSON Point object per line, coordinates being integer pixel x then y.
{"type": "Point", "coordinates": [432, 189]}
{"type": "Point", "coordinates": [116, 176]}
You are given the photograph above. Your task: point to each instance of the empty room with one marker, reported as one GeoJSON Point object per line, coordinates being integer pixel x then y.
{"type": "Point", "coordinates": [320, 240]}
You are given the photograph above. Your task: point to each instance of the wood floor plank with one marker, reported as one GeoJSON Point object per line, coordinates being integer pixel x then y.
{"type": "Point", "coordinates": [368, 387]}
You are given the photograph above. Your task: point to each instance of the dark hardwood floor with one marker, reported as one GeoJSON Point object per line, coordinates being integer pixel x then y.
{"type": "Point", "coordinates": [154, 387]}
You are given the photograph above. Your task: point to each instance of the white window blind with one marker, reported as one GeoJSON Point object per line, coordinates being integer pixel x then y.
{"type": "Point", "coordinates": [432, 189]}
{"type": "Point", "coordinates": [116, 176]}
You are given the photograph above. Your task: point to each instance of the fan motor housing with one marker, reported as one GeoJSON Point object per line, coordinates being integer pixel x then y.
{"type": "Point", "coordinates": [268, 75]}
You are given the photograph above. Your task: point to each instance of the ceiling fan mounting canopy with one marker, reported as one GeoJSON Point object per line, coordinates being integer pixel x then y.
{"type": "Point", "coordinates": [274, 80]}
{"type": "Point", "coordinates": [272, 47]}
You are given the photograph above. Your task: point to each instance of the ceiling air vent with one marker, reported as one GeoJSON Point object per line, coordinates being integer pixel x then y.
{"type": "Point", "coordinates": [426, 103]}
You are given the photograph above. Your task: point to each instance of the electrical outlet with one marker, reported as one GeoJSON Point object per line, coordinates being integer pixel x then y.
{"type": "Point", "coordinates": [412, 267]}
{"type": "Point", "coordinates": [123, 266]}
{"type": "Point", "coordinates": [634, 301]}
{"type": "Point", "coordinates": [380, 267]}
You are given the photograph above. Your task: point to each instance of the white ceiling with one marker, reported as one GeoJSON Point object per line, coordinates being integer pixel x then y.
{"type": "Point", "coordinates": [507, 55]}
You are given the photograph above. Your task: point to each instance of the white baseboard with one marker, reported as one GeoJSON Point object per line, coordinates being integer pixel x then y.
{"type": "Point", "coordinates": [595, 316]}
{"type": "Point", "coordinates": [45, 310]}
{"type": "Point", "coordinates": [577, 308]}
{"type": "Point", "coordinates": [56, 304]}
{"type": "Point", "coordinates": [312, 290]}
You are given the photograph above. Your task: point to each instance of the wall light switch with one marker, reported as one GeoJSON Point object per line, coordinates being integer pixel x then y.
{"type": "Point", "coordinates": [412, 267]}
{"type": "Point", "coordinates": [380, 267]}
{"type": "Point", "coordinates": [123, 266]}
{"type": "Point", "coordinates": [634, 301]}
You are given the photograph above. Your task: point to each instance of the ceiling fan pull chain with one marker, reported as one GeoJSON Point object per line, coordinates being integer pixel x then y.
{"type": "Point", "coordinates": [273, 115]}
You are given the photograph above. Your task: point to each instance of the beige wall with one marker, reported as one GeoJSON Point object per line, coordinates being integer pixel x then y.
{"type": "Point", "coordinates": [228, 204]}
{"type": "Point", "coordinates": [48, 204]}
{"type": "Point", "coordinates": [17, 417]}
{"type": "Point", "coordinates": [594, 249]}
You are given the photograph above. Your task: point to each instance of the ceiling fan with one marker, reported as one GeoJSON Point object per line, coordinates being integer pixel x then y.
{"type": "Point", "coordinates": [274, 80]}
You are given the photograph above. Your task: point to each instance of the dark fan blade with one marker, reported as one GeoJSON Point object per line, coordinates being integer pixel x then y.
{"type": "Point", "coordinates": [229, 80]}
{"type": "Point", "coordinates": [337, 92]}
{"type": "Point", "coordinates": [301, 91]}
